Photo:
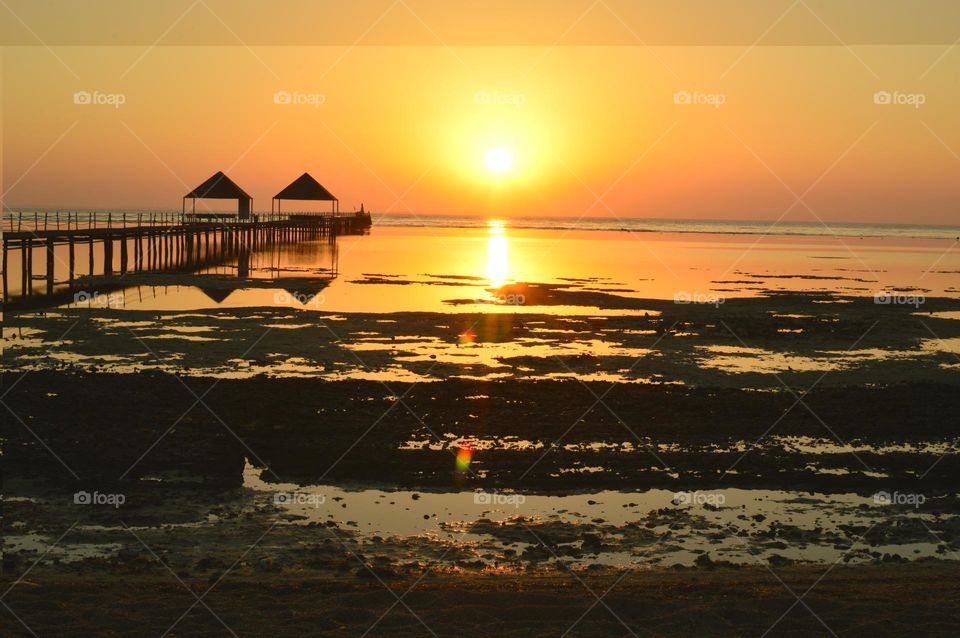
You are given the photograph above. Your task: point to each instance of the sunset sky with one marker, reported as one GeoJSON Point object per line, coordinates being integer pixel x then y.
{"type": "Point", "coordinates": [402, 104]}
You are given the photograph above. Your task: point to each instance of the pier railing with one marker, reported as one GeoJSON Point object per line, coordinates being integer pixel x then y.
{"type": "Point", "coordinates": [26, 221]}
{"type": "Point", "coordinates": [15, 221]}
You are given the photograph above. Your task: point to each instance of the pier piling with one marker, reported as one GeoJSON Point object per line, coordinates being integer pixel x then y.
{"type": "Point", "coordinates": [161, 241]}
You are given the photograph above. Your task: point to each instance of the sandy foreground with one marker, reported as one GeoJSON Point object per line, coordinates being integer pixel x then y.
{"type": "Point", "coordinates": [890, 600]}
{"type": "Point", "coordinates": [806, 404]}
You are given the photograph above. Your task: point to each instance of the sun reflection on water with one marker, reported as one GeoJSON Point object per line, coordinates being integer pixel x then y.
{"type": "Point", "coordinates": [498, 266]}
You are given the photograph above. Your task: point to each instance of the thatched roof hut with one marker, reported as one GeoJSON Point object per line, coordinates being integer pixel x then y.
{"type": "Point", "coordinates": [219, 186]}
{"type": "Point", "coordinates": [306, 188]}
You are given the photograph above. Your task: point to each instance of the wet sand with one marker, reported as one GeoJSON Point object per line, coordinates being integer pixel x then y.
{"type": "Point", "coordinates": [890, 600]}
{"type": "Point", "coordinates": [330, 447]}
{"type": "Point", "coordinates": [526, 434]}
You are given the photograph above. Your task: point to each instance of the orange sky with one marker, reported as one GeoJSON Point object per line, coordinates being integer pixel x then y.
{"type": "Point", "coordinates": [593, 129]}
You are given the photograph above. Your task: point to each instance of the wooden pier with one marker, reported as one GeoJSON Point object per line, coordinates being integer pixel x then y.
{"type": "Point", "coordinates": [150, 242]}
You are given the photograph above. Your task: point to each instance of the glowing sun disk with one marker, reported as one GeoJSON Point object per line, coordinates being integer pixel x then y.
{"type": "Point", "coordinates": [499, 160]}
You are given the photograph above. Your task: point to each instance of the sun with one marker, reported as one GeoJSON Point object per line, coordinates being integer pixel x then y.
{"type": "Point", "coordinates": [499, 160]}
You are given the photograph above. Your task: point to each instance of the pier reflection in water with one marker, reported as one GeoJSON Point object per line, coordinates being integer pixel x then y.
{"type": "Point", "coordinates": [93, 265]}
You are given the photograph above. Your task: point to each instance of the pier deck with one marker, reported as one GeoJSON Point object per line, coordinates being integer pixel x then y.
{"type": "Point", "coordinates": [151, 241]}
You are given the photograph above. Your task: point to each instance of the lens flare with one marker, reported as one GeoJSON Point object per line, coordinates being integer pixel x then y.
{"type": "Point", "coordinates": [464, 456]}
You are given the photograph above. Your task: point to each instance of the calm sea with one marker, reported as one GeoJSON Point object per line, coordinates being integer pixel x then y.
{"type": "Point", "coordinates": [722, 227]}
{"type": "Point", "coordinates": [637, 225]}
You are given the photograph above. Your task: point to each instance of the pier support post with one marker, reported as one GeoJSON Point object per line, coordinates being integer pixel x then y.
{"type": "Point", "coordinates": [108, 255]}
{"type": "Point", "coordinates": [30, 265]}
{"type": "Point", "coordinates": [24, 272]}
{"type": "Point", "coordinates": [243, 263]}
{"type": "Point", "coordinates": [5, 295]}
{"type": "Point", "coordinates": [50, 265]}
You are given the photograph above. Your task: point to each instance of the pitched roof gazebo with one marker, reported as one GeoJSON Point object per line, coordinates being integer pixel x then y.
{"type": "Point", "coordinates": [306, 187]}
{"type": "Point", "coordinates": [219, 186]}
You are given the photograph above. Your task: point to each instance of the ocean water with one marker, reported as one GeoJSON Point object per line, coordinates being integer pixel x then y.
{"type": "Point", "coordinates": [640, 225]}
{"type": "Point", "coordinates": [457, 264]}
{"type": "Point", "coordinates": [33, 218]}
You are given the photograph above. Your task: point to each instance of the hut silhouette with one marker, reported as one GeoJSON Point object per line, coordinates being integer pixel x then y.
{"type": "Point", "coordinates": [306, 295]}
{"type": "Point", "coordinates": [306, 188]}
{"type": "Point", "coordinates": [216, 294]}
{"type": "Point", "coordinates": [219, 186]}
